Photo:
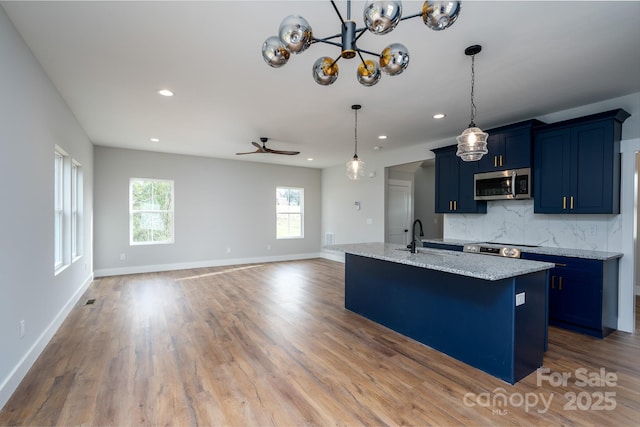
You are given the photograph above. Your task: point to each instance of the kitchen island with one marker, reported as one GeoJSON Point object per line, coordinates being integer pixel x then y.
{"type": "Point", "coordinates": [488, 312]}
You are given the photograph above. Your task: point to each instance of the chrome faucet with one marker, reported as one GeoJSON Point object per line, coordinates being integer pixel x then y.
{"type": "Point", "coordinates": [413, 234]}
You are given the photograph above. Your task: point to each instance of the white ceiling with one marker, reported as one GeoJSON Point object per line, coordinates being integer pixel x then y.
{"type": "Point", "coordinates": [108, 59]}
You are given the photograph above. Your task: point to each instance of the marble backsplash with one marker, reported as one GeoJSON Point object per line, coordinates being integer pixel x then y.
{"type": "Point", "coordinates": [513, 221]}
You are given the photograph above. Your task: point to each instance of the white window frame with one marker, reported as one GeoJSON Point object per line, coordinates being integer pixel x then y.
{"type": "Point", "coordinates": [76, 210]}
{"type": "Point", "coordinates": [280, 212]}
{"type": "Point", "coordinates": [58, 209]}
{"type": "Point", "coordinates": [132, 212]}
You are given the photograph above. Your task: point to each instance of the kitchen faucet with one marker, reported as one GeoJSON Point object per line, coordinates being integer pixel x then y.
{"type": "Point", "coordinates": [413, 234]}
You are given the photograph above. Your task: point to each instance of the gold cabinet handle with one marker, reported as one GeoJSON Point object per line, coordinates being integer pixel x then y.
{"type": "Point", "coordinates": [500, 159]}
{"type": "Point", "coordinates": [564, 202]}
{"type": "Point", "coordinates": [560, 283]}
{"type": "Point", "coordinates": [495, 161]}
{"type": "Point", "coordinates": [553, 282]}
{"type": "Point", "coordinates": [455, 205]}
{"type": "Point", "coordinates": [450, 205]}
{"type": "Point", "coordinates": [571, 203]}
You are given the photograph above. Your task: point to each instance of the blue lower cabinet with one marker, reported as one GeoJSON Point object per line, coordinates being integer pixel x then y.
{"type": "Point", "coordinates": [583, 294]}
{"type": "Point", "coordinates": [473, 320]}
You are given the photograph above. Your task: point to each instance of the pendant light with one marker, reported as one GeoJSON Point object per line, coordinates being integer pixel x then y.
{"type": "Point", "coordinates": [355, 166]}
{"type": "Point", "coordinates": [380, 17]}
{"type": "Point", "coordinates": [472, 142]}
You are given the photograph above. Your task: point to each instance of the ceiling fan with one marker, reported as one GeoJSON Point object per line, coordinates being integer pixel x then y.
{"type": "Point", "coordinates": [264, 149]}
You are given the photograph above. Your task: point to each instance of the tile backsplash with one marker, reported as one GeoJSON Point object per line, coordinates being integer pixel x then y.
{"type": "Point", "coordinates": [513, 221]}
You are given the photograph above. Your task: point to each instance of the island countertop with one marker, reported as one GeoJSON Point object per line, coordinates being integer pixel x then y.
{"type": "Point", "coordinates": [533, 249]}
{"type": "Point", "coordinates": [465, 264]}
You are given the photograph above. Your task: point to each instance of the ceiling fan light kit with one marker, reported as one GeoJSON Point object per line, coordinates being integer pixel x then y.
{"type": "Point", "coordinates": [380, 17]}
{"type": "Point", "coordinates": [472, 143]}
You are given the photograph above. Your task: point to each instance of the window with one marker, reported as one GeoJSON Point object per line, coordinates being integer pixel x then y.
{"type": "Point", "coordinates": [150, 211]}
{"type": "Point", "coordinates": [289, 213]}
{"type": "Point", "coordinates": [76, 210]}
{"type": "Point", "coordinates": [58, 209]}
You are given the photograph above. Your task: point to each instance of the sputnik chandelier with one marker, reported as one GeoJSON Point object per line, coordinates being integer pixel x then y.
{"type": "Point", "coordinates": [380, 17]}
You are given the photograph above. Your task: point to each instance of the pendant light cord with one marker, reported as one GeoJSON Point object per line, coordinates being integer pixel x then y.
{"type": "Point", "coordinates": [355, 131]}
{"type": "Point", "coordinates": [473, 80]}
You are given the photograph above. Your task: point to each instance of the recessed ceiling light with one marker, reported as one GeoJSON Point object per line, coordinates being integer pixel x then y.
{"type": "Point", "coordinates": [382, 136]}
{"type": "Point", "coordinates": [154, 140]}
{"type": "Point", "coordinates": [310, 159]}
{"type": "Point", "coordinates": [165, 92]}
{"type": "Point", "coordinates": [439, 116]}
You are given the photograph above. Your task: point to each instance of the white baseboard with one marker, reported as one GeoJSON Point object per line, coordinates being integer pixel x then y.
{"type": "Point", "coordinates": [12, 381]}
{"type": "Point", "coordinates": [200, 264]}
{"type": "Point", "coordinates": [333, 255]}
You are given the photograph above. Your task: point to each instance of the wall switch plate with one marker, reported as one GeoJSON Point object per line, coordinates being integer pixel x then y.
{"type": "Point", "coordinates": [21, 329]}
{"type": "Point", "coordinates": [520, 299]}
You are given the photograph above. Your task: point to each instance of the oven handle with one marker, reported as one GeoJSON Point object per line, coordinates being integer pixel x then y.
{"type": "Point", "coordinates": [513, 184]}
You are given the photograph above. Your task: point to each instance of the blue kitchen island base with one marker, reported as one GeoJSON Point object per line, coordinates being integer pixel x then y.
{"type": "Point", "coordinates": [473, 320]}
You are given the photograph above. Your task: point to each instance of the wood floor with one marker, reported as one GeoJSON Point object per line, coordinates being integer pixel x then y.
{"type": "Point", "coordinates": [271, 344]}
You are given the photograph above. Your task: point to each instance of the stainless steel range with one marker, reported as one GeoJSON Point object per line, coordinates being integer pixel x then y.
{"type": "Point", "coordinates": [488, 249]}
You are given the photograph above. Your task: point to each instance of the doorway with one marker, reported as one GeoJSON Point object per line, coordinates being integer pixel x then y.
{"type": "Point", "coordinates": [399, 211]}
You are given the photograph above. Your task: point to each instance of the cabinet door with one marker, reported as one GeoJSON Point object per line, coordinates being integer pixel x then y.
{"type": "Point", "coordinates": [575, 290]}
{"type": "Point", "coordinates": [591, 166]}
{"type": "Point", "coordinates": [579, 296]}
{"type": "Point", "coordinates": [551, 175]}
{"type": "Point", "coordinates": [491, 161]}
{"type": "Point", "coordinates": [517, 149]}
{"type": "Point", "coordinates": [446, 180]}
{"type": "Point", "coordinates": [465, 201]}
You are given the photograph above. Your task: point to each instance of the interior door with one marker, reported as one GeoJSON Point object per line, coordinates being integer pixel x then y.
{"type": "Point", "coordinates": [399, 211]}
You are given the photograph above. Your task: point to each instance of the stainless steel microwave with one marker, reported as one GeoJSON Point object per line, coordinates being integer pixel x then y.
{"type": "Point", "coordinates": [503, 185]}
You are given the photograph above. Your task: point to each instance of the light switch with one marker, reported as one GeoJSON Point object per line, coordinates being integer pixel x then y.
{"type": "Point", "coordinates": [519, 299]}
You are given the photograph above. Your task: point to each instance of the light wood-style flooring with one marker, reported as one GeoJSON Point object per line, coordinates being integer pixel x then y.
{"type": "Point", "coordinates": [271, 344]}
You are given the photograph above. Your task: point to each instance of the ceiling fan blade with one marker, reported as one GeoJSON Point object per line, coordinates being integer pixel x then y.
{"type": "Point", "coordinates": [251, 152]}
{"type": "Point", "coordinates": [258, 146]}
{"type": "Point", "coordinates": [288, 153]}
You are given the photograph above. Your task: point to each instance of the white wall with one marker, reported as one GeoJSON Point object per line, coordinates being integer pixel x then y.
{"type": "Point", "coordinates": [219, 204]}
{"type": "Point", "coordinates": [33, 119]}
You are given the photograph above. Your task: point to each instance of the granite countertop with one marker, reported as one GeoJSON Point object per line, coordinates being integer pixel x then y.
{"type": "Point", "coordinates": [461, 263]}
{"type": "Point", "coordinates": [542, 250]}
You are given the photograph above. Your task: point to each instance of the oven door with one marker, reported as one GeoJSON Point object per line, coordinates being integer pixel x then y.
{"type": "Point", "coordinates": [503, 185]}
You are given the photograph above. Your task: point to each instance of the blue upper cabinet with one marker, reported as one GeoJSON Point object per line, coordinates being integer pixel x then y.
{"type": "Point", "coordinates": [510, 147]}
{"type": "Point", "coordinates": [577, 165]}
{"type": "Point", "coordinates": [454, 183]}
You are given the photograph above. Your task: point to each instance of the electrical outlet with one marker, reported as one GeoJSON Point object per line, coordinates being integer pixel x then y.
{"type": "Point", "coordinates": [228, 250]}
{"type": "Point", "coordinates": [268, 247]}
{"type": "Point", "coordinates": [122, 256]}
{"type": "Point", "coordinates": [21, 329]}
{"type": "Point", "coordinates": [520, 299]}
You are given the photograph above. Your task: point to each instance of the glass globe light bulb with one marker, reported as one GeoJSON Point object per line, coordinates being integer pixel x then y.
{"type": "Point", "coordinates": [394, 59]}
{"type": "Point", "coordinates": [440, 15]}
{"type": "Point", "coordinates": [295, 34]}
{"type": "Point", "coordinates": [368, 73]}
{"type": "Point", "coordinates": [381, 17]}
{"type": "Point", "coordinates": [274, 53]}
{"type": "Point", "coordinates": [324, 73]}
